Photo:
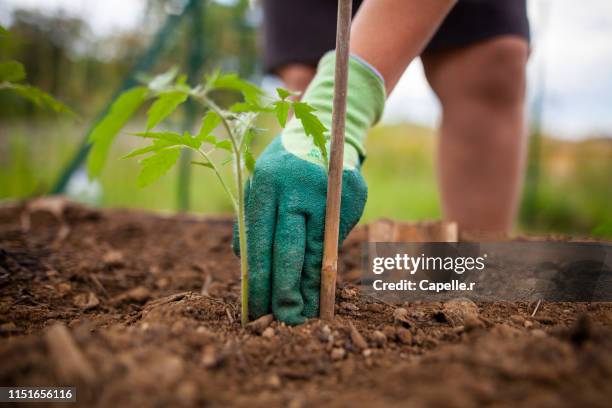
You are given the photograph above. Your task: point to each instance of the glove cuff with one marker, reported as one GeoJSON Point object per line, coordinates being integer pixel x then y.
{"type": "Point", "coordinates": [365, 104]}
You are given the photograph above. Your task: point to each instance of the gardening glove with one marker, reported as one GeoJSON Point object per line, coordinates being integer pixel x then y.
{"type": "Point", "coordinates": [286, 197]}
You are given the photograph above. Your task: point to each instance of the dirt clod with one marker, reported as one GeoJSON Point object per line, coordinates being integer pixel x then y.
{"type": "Point", "coordinates": [358, 341]}
{"type": "Point", "coordinates": [259, 325]}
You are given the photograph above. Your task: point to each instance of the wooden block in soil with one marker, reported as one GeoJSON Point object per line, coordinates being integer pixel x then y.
{"type": "Point", "coordinates": [386, 230]}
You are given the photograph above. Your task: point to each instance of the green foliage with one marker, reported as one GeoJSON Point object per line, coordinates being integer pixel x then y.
{"type": "Point", "coordinates": [312, 126]}
{"type": "Point", "coordinates": [12, 71]}
{"type": "Point", "coordinates": [165, 149]}
{"type": "Point", "coordinates": [164, 106]}
{"type": "Point", "coordinates": [106, 130]}
{"type": "Point", "coordinates": [155, 166]}
{"type": "Point", "coordinates": [232, 82]}
{"type": "Point", "coordinates": [209, 123]}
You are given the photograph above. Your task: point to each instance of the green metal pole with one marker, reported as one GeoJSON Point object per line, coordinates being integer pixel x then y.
{"type": "Point", "coordinates": [196, 60]}
{"type": "Point", "coordinates": [144, 64]}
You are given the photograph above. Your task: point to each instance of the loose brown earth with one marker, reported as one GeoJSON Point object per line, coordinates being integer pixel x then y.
{"type": "Point", "coordinates": [151, 306]}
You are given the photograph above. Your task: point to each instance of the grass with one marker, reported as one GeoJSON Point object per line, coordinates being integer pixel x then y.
{"type": "Point", "coordinates": [574, 193]}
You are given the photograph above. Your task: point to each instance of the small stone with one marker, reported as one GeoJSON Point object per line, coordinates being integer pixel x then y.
{"type": "Point", "coordinates": [518, 319]}
{"type": "Point", "coordinates": [389, 332]}
{"type": "Point", "coordinates": [348, 293]}
{"type": "Point", "coordinates": [86, 301]}
{"type": "Point", "coordinates": [375, 307]}
{"type": "Point", "coordinates": [259, 325]}
{"type": "Point", "coordinates": [400, 316]}
{"type": "Point", "coordinates": [457, 311]}
{"type": "Point", "coordinates": [325, 334]}
{"type": "Point", "coordinates": [357, 339]}
{"type": "Point", "coordinates": [538, 333]}
{"type": "Point", "coordinates": [64, 288]}
{"type": "Point", "coordinates": [527, 324]}
{"type": "Point", "coordinates": [404, 335]}
{"type": "Point", "coordinates": [349, 306]}
{"type": "Point", "coordinates": [113, 258]}
{"type": "Point", "coordinates": [210, 357]}
{"type": "Point", "coordinates": [273, 381]}
{"type": "Point", "coordinates": [379, 338]}
{"type": "Point", "coordinates": [268, 333]}
{"type": "Point", "coordinates": [367, 352]}
{"type": "Point", "coordinates": [338, 354]}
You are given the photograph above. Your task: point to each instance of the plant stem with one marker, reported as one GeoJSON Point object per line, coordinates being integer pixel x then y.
{"type": "Point", "coordinates": [244, 265]}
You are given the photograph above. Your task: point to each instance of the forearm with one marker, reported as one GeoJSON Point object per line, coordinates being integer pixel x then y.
{"type": "Point", "coordinates": [389, 34]}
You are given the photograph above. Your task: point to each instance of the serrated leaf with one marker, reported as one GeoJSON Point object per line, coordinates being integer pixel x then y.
{"type": "Point", "coordinates": [171, 137]}
{"type": "Point", "coordinates": [164, 106]}
{"type": "Point", "coordinates": [285, 93]}
{"type": "Point", "coordinates": [106, 130]}
{"type": "Point", "coordinates": [153, 167]}
{"type": "Point", "coordinates": [204, 164]}
{"type": "Point", "coordinates": [312, 126]}
{"type": "Point", "coordinates": [162, 81]}
{"type": "Point", "coordinates": [12, 71]}
{"type": "Point", "coordinates": [225, 145]}
{"type": "Point", "coordinates": [233, 82]}
{"type": "Point", "coordinates": [209, 123]}
{"type": "Point", "coordinates": [39, 98]}
{"type": "Point", "coordinates": [155, 147]}
{"type": "Point", "coordinates": [281, 109]}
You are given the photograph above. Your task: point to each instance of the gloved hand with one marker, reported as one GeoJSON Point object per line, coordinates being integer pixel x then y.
{"type": "Point", "coordinates": [286, 196]}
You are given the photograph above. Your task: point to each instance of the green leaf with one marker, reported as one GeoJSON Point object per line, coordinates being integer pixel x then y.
{"type": "Point", "coordinates": [155, 147]}
{"type": "Point", "coordinates": [164, 106]}
{"type": "Point", "coordinates": [209, 123]}
{"type": "Point", "coordinates": [11, 71]}
{"type": "Point", "coordinates": [312, 126]}
{"type": "Point", "coordinates": [162, 81]}
{"type": "Point", "coordinates": [171, 137]}
{"type": "Point", "coordinates": [281, 109]}
{"type": "Point", "coordinates": [249, 160]}
{"type": "Point", "coordinates": [205, 164]}
{"type": "Point", "coordinates": [40, 98]}
{"type": "Point", "coordinates": [106, 130]}
{"type": "Point", "coordinates": [285, 93]}
{"type": "Point", "coordinates": [225, 145]}
{"type": "Point", "coordinates": [249, 91]}
{"type": "Point", "coordinates": [153, 167]}
{"type": "Point", "coordinates": [4, 31]}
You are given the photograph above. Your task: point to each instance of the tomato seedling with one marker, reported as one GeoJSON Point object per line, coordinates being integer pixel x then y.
{"type": "Point", "coordinates": [237, 121]}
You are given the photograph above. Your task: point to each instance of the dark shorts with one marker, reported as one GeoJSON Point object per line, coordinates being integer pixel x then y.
{"type": "Point", "coordinates": [301, 31]}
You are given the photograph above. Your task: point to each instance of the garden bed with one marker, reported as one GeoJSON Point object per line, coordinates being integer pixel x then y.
{"type": "Point", "coordinates": [141, 309]}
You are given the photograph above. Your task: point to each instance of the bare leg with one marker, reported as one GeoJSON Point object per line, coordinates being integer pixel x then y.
{"type": "Point", "coordinates": [389, 34]}
{"type": "Point", "coordinates": [296, 77]}
{"type": "Point", "coordinates": [482, 134]}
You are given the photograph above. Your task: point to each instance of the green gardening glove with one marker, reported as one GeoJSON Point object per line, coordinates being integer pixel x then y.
{"type": "Point", "coordinates": [286, 196]}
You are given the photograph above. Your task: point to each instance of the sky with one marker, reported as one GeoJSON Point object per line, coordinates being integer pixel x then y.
{"type": "Point", "coordinates": [571, 47]}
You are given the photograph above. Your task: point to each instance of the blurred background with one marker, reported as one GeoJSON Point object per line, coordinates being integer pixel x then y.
{"type": "Point", "coordinates": [83, 52]}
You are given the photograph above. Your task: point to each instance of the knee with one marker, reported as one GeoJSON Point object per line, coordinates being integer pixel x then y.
{"type": "Point", "coordinates": [491, 75]}
{"type": "Point", "coordinates": [502, 78]}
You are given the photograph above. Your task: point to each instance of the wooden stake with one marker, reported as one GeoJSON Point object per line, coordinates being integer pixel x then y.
{"type": "Point", "coordinates": [334, 184]}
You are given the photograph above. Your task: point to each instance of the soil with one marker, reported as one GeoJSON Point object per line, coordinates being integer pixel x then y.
{"type": "Point", "coordinates": [141, 309]}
